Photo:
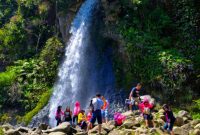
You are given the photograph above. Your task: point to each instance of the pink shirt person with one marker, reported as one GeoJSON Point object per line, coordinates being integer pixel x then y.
{"type": "Point", "coordinates": [77, 108]}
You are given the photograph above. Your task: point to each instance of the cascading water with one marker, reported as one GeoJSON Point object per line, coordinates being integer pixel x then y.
{"type": "Point", "coordinates": [81, 74]}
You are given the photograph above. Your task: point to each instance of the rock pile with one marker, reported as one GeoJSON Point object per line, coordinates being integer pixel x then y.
{"type": "Point", "coordinates": [133, 125]}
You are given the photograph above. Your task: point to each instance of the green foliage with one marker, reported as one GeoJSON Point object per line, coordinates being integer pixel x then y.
{"type": "Point", "coordinates": [1, 131]}
{"type": "Point", "coordinates": [7, 8]}
{"type": "Point", "coordinates": [5, 118]}
{"type": "Point", "coordinates": [6, 80]}
{"type": "Point", "coordinates": [195, 109]}
{"type": "Point", "coordinates": [32, 77]}
{"type": "Point", "coordinates": [41, 103]}
{"type": "Point", "coordinates": [12, 39]}
{"type": "Point", "coordinates": [154, 51]}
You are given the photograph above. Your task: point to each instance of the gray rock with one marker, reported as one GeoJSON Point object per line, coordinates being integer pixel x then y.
{"type": "Point", "coordinates": [197, 126]}
{"type": "Point", "coordinates": [57, 133]}
{"type": "Point", "coordinates": [43, 126]}
{"type": "Point", "coordinates": [7, 127]}
{"type": "Point", "coordinates": [12, 132]}
{"type": "Point", "coordinates": [196, 132]}
{"type": "Point", "coordinates": [180, 131]}
{"type": "Point", "coordinates": [194, 122]}
{"type": "Point", "coordinates": [23, 129]}
{"type": "Point", "coordinates": [64, 127]}
{"type": "Point", "coordinates": [179, 121]}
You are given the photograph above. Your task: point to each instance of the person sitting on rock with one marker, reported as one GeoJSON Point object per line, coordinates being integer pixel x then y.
{"type": "Point", "coordinates": [104, 110]}
{"type": "Point", "coordinates": [59, 114]}
{"type": "Point", "coordinates": [68, 115]}
{"type": "Point", "coordinates": [77, 109]}
{"type": "Point", "coordinates": [135, 96]}
{"type": "Point", "coordinates": [146, 108]}
{"type": "Point", "coordinates": [82, 120]}
{"type": "Point", "coordinates": [170, 119]}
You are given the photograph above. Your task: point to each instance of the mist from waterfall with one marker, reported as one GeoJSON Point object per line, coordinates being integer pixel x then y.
{"type": "Point", "coordinates": [84, 70]}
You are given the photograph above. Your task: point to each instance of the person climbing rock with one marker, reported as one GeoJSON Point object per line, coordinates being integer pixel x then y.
{"type": "Point", "coordinates": [82, 120]}
{"type": "Point", "coordinates": [97, 104]}
{"type": "Point", "coordinates": [104, 110]}
{"type": "Point", "coordinates": [134, 96]}
{"type": "Point", "coordinates": [146, 109]}
{"type": "Point", "coordinates": [77, 109]}
{"type": "Point", "coordinates": [170, 119]}
{"type": "Point", "coordinates": [59, 114]}
{"type": "Point", "coordinates": [68, 115]}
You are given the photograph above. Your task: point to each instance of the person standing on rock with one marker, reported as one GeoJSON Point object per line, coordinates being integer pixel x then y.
{"type": "Point", "coordinates": [170, 119]}
{"type": "Point", "coordinates": [135, 96]}
{"type": "Point", "coordinates": [59, 114]}
{"type": "Point", "coordinates": [97, 104]}
{"type": "Point", "coordinates": [77, 109]}
{"type": "Point", "coordinates": [104, 110]}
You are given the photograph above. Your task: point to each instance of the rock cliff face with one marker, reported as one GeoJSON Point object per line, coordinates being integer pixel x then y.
{"type": "Point", "coordinates": [65, 19]}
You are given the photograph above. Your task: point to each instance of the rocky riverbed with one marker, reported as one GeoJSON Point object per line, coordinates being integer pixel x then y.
{"type": "Point", "coordinates": [133, 125]}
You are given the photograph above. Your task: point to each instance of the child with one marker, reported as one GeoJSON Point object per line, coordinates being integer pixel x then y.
{"type": "Point", "coordinates": [82, 120]}
{"type": "Point", "coordinates": [59, 114]}
{"type": "Point", "coordinates": [77, 109]}
{"type": "Point", "coordinates": [145, 108]}
{"type": "Point", "coordinates": [170, 119]}
{"type": "Point", "coordinates": [104, 110]}
{"type": "Point", "coordinates": [68, 115]}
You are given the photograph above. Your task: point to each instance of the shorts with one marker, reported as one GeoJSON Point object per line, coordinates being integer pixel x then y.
{"type": "Point", "coordinates": [135, 100]}
{"type": "Point", "coordinates": [168, 127]}
{"type": "Point", "coordinates": [104, 113]}
{"type": "Point", "coordinates": [96, 115]}
{"type": "Point", "coordinates": [148, 116]}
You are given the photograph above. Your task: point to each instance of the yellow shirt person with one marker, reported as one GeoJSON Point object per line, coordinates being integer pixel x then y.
{"type": "Point", "coordinates": [81, 117]}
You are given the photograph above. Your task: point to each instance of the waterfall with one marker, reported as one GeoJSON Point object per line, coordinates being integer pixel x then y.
{"type": "Point", "coordinates": [81, 74]}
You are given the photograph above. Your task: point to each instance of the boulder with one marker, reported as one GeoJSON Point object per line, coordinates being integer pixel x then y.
{"type": "Point", "coordinates": [114, 132]}
{"type": "Point", "coordinates": [107, 127]}
{"type": "Point", "coordinates": [12, 132]}
{"type": "Point", "coordinates": [180, 131]}
{"type": "Point", "coordinates": [187, 126]}
{"type": "Point", "coordinates": [57, 133]}
{"type": "Point", "coordinates": [81, 133]}
{"type": "Point", "coordinates": [128, 114]}
{"type": "Point", "coordinates": [194, 122]}
{"type": "Point", "coordinates": [184, 113]}
{"type": "Point", "coordinates": [64, 127]}
{"type": "Point", "coordinates": [128, 124]}
{"type": "Point", "coordinates": [7, 127]}
{"type": "Point", "coordinates": [161, 111]}
{"type": "Point", "coordinates": [112, 122]}
{"type": "Point", "coordinates": [197, 126]}
{"type": "Point", "coordinates": [23, 129]}
{"type": "Point", "coordinates": [139, 119]}
{"type": "Point", "coordinates": [196, 132]}
{"type": "Point", "coordinates": [95, 131]}
{"type": "Point", "coordinates": [43, 126]}
{"type": "Point", "coordinates": [179, 121]}
{"type": "Point", "coordinates": [141, 131]}
{"type": "Point", "coordinates": [129, 132]}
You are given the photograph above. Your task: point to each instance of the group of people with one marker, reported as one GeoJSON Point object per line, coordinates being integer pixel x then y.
{"type": "Point", "coordinates": [98, 110]}
{"type": "Point", "coordinates": [146, 108]}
